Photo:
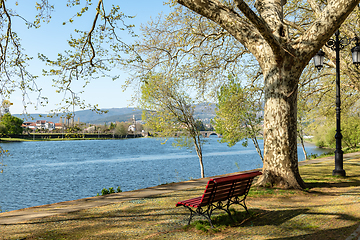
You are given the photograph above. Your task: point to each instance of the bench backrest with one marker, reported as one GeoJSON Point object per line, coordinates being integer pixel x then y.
{"type": "Point", "coordinates": [223, 188]}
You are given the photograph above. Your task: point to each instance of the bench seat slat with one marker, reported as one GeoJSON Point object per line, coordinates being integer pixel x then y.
{"type": "Point", "coordinates": [194, 202]}
{"type": "Point", "coordinates": [227, 188]}
{"type": "Point", "coordinates": [224, 193]}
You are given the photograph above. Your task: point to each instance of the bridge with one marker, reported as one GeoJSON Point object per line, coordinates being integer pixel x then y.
{"type": "Point", "coordinates": [209, 133]}
{"type": "Point", "coordinates": [205, 134]}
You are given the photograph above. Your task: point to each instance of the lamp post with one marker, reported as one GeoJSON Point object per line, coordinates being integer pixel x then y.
{"type": "Point", "coordinates": [336, 45]}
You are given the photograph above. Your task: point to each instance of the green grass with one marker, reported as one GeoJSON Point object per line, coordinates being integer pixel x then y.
{"type": "Point", "coordinates": [269, 192]}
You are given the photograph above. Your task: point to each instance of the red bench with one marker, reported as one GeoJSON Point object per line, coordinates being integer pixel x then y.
{"type": "Point", "coordinates": [221, 193]}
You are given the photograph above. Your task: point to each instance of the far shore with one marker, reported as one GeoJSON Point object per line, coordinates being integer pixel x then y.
{"type": "Point", "coordinates": [65, 137]}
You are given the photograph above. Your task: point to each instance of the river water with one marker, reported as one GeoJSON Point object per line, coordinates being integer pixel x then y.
{"type": "Point", "coordinates": [38, 173]}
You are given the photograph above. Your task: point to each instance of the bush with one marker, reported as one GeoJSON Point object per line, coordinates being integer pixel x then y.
{"type": "Point", "coordinates": [111, 190]}
{"type": "Point", "coordinates": [351, 131]}
{"type": "Point", "coordinates": [104, 192]}
{"type": "Point", "coordinates": [324, 135]}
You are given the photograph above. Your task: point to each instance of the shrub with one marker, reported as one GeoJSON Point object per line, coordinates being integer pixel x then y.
{"type": "Point", "coordinates": [111, 190]}
{"type": "Point", "coordinates": [105, 191]}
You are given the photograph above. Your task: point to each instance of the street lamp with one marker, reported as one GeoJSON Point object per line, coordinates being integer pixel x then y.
{"type": "Point", "coordinates": [336, 45]}
{"type": "Point", "coordinates": [319, 60]}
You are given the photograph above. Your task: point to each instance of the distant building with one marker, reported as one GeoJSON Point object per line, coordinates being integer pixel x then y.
{"type": "Point", "coordinates": [43, 124]}
{"type": "Point", "coordinates": [39, 124]}
{"type": "Point", "coordinates": [90, 129]}
{"type": "Point", "coordinates": [30, 125]}
{"type": "Point", "coordinates": [132, 128]}
{"type": "Point", "coordinates": [59, 126]}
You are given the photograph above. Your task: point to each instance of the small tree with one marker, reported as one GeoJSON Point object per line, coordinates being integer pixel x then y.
{"type": "Point", "coordinates": [172, 112]}
{"type": "Point", "coordinates": [238, 116]}
{"type": "Point", "coordinates": [200, 125]}
{"type": "Point", "coordinates": [112, 126]}
{"type": "Point", "coordinates": [121, 129]}
{"type": "Point", "coordinates": [11, 125]}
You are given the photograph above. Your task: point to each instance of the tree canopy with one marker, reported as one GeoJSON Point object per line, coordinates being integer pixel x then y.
{"type": "Point", "coordinates": [10, 125]}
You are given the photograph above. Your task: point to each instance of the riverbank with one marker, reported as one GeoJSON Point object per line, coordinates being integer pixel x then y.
{"type": "Point", "coordinates": [66, 137]}
{"type": "Point", "coordinates": [329, 209]}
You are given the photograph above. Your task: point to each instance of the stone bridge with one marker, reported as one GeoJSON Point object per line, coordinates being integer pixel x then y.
{"type": "Point", "coordinates": [205, 134]}
{"type": "Point", "coordinates": [209, 133]}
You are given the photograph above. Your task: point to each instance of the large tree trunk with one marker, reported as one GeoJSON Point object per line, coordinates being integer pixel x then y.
{"type": "Point", "coordinates": [280, 125]}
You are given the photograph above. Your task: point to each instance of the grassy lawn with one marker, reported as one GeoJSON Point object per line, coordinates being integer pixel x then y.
{"type": "Point", "coordinates": [328, 209]}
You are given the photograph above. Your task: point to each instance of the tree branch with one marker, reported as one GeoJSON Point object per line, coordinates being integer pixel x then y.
{"type": "Point", "coordinates": [323, 27]}
{"type": "Point", "coordinates": [315, 7]}
{"type": "Point", "coordinates": [88, 40]}
{"type": "Point", "coordinates": [261, 26]}
{"type": "Point", "coordinates": [228, 19]}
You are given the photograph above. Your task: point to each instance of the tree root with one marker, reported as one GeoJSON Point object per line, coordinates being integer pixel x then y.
{"type": "Point", "coordinates": [271, 179]}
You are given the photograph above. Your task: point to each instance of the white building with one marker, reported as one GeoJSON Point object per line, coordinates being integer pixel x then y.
{"type": "Point", "coordinates": [132, 128]}
{"type": "Point", "coordinates": [43, 124]}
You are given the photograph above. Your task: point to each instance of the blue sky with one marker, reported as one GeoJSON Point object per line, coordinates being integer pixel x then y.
{"type": "Point", "coordinates": [50, 39]}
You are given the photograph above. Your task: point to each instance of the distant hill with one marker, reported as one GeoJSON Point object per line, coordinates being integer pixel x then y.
{"type": "Point", "coordinates": [88, 116]}
{"type": "Point", "coordinates": [205, 111]}
{"type": "Point", "coordinates": [202, 111]}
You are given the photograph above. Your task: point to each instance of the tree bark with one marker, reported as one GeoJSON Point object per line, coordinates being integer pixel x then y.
{"type": "Point", "coordinates": [280, 124]}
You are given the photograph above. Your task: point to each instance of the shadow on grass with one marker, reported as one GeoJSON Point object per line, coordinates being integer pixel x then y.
{"type": "Point", "coordinates": [343, 183]}
{"type": "Point", "coordinates": [120, 215]}
{"type": "Point", "coordinates": [280, 219]}
{"type": "Point", "coordinates": [330, 234]}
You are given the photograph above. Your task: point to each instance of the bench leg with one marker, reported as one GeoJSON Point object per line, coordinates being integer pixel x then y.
{"type": "Point", "coordinates": [226, 207]}
{"type": "Point", "coordinates": [199, 211]}
{"type": "Point", "coordinates": [191, 215]}
{"type": "Point", "coordinates": [242, 203]}
{"type": "Point", "coordinates": [235, 201]}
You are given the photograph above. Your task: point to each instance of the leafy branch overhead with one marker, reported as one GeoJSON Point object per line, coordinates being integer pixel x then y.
{"type": "Point", "coordinates": [94, 50]}
{"type": "Point", "coordinates": [93, 53]}
{"type": "Point", "coordinates": [13, 59]}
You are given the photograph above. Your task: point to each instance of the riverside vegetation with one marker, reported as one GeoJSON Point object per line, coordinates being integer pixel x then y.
{"type": "Point", "coordinates": [111, 190]}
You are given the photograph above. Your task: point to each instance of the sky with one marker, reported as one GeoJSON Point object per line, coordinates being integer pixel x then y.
{"type": "Point", "coordinates": [50, 39]}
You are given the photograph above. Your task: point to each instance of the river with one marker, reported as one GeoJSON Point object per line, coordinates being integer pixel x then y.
{"type": "Point", "coordinates": [38, 173]}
